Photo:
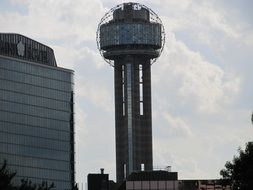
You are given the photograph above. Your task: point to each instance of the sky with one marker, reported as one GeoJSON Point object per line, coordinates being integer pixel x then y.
{"type": "Point", "coordinates": [201, 84]}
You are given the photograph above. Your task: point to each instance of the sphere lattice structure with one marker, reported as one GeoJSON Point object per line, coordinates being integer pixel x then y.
{"type": "Point", "coordinates": [130, 28]}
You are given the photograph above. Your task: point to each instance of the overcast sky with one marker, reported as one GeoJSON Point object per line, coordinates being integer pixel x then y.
{"type": "Point", "coordinates": [201, 85]}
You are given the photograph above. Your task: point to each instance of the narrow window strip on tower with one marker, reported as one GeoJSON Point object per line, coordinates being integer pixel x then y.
{"type": "Point", "coordinates": [141, 88]}
{"type": "Point", "coordinates": [129, 115]}
{"type": "Point", "coordinates": [123, 91]}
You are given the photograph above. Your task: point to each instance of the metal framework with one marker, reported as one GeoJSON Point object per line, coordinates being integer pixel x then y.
{"type": "Point", "coordinates": [108, 17]}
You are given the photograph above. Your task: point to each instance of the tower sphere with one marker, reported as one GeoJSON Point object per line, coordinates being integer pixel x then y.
{"type": "Point", "coordinates": [130, 29]}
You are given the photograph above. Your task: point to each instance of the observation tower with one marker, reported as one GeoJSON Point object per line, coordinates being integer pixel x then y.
{"type": "Point", "coordinates": [131, 37]}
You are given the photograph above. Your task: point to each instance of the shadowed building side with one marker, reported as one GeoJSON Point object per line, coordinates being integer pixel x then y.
{"type": "Point", "coordinates": [133, 117]}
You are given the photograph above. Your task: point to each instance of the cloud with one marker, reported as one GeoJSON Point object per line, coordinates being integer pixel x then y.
{"type": "Point", "coordinates": [56, 20]}
{"type": "Point", "coordinates": [80, 123]}
{"type": "Point", "coordinates": [176, 126]}
{"type": "Point", "coordinates": [200, 84]}
{"type": "Point", "coordinates": [202, 18]}
{"type": "Point", "coordinates": [97, 94]}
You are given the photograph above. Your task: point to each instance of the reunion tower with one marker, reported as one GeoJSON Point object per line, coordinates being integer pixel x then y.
{"type": "Point", "coordinates": [131, 37]}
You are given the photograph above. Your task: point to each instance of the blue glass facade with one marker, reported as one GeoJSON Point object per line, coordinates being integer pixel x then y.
{"type": "Point", "coordinates": [36, 121]}
{"type": "Point", "coordinates": [130, 33]}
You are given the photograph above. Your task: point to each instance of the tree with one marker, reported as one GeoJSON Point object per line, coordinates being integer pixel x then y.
{"type": "Point", "coordinates": [75, 187]}
{"type": "Point", "coordinates": [239, 171]}
{"type": "Point", "coordinates": [6, 177]}
{"type": "Point", "coordinates": [28, 185]}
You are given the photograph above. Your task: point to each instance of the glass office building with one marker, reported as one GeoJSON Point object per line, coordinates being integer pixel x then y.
{"type": "Point", "coordinates": [36, 113]}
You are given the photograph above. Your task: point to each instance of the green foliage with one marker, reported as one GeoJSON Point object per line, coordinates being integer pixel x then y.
{"type": "Point", "coordinates": [28, 185]}
{"type": "Point", "coordinates": [6, 177]}
{"type": "Point", "coordinates": [239, 172]}
{"type": "Point", "coordinates": [75, 187]}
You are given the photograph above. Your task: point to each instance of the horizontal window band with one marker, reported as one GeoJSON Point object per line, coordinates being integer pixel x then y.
{"type": "Point", "coordinates": [26, 166]}
{"type": "Point", "coordinates": [36, 75]}
{"type": "Point", "coordinates": [36, 116]}
{"type": "Point", "coordinates": [18, 92]}
{"type": "Point", "coordinates": [32, 105]}
{"type": "Point", "coordinates": [35, 85]}
{"type": "Point", "coordinates": [26, 156]}
{"type": "Point", "coordinates": [20, 134]}
{"type": "Point", "coordinates": [37, 126]}
{"type": "Point", "coordinates": [40, 148]}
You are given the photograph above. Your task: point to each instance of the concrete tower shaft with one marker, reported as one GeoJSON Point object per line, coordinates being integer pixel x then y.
{"type": "Point", "coordinates": [130, 37]}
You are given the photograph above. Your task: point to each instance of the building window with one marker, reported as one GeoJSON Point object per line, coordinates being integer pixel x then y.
{"type": "Point", "coordinates": [141, 88]}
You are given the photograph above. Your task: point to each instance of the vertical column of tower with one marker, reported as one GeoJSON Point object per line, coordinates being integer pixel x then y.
{"type": "Point", "coordinates": [127, 120]}
{"type": "Point", "coordinates": [146, 118]}
{"type": "Point", "coordinates": [136, 113]}
{"type": "Point", "coordinates": [143, 128]}
{"type": "Point", "coordinates": [130, 114]}
{"type": "Point", "coordinates": [120, 130]}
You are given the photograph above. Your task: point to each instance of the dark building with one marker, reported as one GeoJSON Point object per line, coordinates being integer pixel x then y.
{"type": "Point", "coordinates": [36, 113]}
{"type": "Point", "coordinates": [98, 181]}
{"type": "Point", "coordinates": [207, 184]}
{"type": "Point", "coordinates": [157, 180]}
{"type": "Point", "coordinates": [130, 37]}
{"type": "Point", "coordinates": [165, 180]}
